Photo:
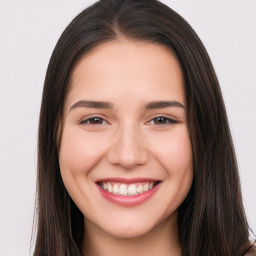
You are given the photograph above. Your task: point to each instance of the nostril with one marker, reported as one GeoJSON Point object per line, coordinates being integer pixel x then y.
{"type": "Point", "coordinates": [128, 149]}
{"type": "Point", "coordinates": [126, 159]}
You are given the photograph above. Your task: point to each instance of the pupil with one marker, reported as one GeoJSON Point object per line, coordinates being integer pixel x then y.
{"type": "Point", "coordinates": [96, 120]}
{"type": "Point", "coordinates": [160, 120]}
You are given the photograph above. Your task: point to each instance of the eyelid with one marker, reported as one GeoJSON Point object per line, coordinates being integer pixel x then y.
{"type": "Point", "coordinates": [84, 120]}
{"type": "Point", "coordinates": [171, 120]}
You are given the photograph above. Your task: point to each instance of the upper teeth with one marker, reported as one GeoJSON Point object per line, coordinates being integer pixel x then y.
{"type": "Point", "coordinates": [126, 189]}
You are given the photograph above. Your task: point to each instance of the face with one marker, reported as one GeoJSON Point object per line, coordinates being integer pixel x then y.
{"type": "Point", "coordinates": [125, 154]}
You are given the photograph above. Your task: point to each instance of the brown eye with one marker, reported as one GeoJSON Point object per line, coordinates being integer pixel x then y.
{"type": "Point", "coordinates": [94, 121]}
{"type": "Point", "coordinates": [162, 120]}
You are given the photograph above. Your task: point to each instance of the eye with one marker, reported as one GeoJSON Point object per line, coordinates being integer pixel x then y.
{"type": "Point", "coordinates": [94, 121]}
{"type": "Point", "coordinates": [162, 120]}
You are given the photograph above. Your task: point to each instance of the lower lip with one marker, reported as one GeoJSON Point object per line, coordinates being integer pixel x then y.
{"type": "Point", "coordinates": [129, 200]}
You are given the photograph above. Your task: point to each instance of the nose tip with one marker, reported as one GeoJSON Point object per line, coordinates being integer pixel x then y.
{"type": "Point", "coordinates": [128, 151]}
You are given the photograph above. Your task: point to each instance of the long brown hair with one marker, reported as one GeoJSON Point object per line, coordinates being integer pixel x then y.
{"type": "Point", "coordinates": [211, 219]}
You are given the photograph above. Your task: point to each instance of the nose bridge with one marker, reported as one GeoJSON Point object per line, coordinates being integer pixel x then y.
{"type": "Point", "coordinates": [128, 148]}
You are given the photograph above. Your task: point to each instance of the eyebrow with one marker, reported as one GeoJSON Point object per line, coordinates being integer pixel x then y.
{"type": "Point", "coordinates": [92, 104]}
{"type": "Point", "coordinates": [108, 105]}
{"type": "Point", "coordinates": [164, 104]}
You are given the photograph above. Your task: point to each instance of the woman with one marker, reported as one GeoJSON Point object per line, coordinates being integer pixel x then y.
{"type": "Point", "coordinates": [135, 153]}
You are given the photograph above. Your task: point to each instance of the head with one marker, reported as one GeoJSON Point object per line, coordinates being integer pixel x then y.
{"type": "Point", "coordinates": [204, 218]}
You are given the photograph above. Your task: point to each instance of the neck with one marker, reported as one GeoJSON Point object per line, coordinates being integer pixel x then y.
{"type": "Point", "coordinates": [163, 240]}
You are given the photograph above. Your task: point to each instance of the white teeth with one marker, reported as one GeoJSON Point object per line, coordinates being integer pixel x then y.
{"type": "Point", "coordinates": [123, 190]}
{"type": "Point", "coordinates": [140, 189]}
{"type": "Point", "coordinates": [145, 187]}
{"type": "Point", "coordinates": [127, 189]}
{"type": "Point", "coordinates": [109, 188]}
{"type": "Point", "coordinates": [132, 190]}
{"type": "Point", "coordinates": [115, 189]}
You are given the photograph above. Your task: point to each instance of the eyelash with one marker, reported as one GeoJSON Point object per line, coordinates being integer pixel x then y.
{"type": "Point", "coordinates": [87, 121]}
{"type": "Point", "coordinates": [168, 121]}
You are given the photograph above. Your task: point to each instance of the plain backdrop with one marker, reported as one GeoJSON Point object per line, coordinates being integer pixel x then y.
{"type": "Point", "coordinates": [29, 30]}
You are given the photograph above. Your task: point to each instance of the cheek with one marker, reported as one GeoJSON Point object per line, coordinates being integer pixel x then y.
{"type": "Point", "coordinates": [174, 152]}
{"type": "Point", "coordinates": [79, 152]}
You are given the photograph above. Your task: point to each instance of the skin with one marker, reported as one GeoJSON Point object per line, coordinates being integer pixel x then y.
{"type": "Point", "coordinates": [127, 141]}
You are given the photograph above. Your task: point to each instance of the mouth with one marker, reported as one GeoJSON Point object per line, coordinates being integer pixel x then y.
{"type": "Point", "coordinates": [124, 189]}
{"type": "Point", "coordinates": [128, 192]}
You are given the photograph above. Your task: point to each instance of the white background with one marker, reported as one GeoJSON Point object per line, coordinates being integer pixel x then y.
{"type": "Point", "coordinates": [29, 30]}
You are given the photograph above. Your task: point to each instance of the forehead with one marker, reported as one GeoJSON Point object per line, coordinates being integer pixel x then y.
{"type": "Point", "coordinates": [127, 68]}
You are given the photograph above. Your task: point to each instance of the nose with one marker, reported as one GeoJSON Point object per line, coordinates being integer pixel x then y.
{"type": "Point", "coordinates": [128, 149]}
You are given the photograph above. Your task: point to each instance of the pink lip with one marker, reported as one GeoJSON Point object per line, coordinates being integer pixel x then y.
{"type": "Point", "coordinates": [129, 200]}
{"type": "Point", "coordinates": [125, 180]}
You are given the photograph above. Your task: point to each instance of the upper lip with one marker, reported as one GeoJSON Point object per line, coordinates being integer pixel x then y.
{"type": "Point", "coordinates": [127, 180]}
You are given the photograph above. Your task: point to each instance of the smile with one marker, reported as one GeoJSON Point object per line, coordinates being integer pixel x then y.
{"type": "Point", "coordinates": [128, 192]}
{"type": "Point", "coordinates": [124, 189]}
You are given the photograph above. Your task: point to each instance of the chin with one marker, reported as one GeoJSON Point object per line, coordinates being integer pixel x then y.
{"type": "Point", "coordinates": [128, 232]}
{"type": "Point", "coordinates": [129, 226]}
